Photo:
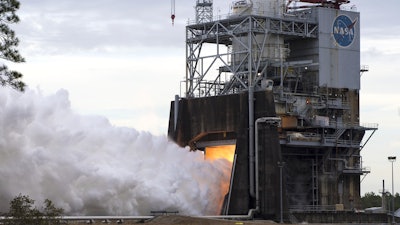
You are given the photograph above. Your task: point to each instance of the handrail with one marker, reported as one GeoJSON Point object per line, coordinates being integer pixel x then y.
{"type": "Point", "coordinates": [313, 208]}
{"type": "Point", "coordinates": [88, 218]}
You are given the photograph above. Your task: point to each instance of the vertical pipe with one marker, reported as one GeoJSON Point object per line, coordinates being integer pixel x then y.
{"type": "Point", "coordinates": [392, 195]}
{"type": "Point", "coordinates": [383, 195]}
{"type": "Point", "coordinates": [281, 190]}
{"type": "Point", "coordinates": [251, 141]}
{"type": "Point", "coordinates": [231, 184]}
{"type": "Point", "coordinates": [251, 110]}
{"type": "Point", "coordinates": [176, 109]}
{"type": "Point", "coordinates": [257, 161]}
{"type": "Point", "coordinates": [392, 159]}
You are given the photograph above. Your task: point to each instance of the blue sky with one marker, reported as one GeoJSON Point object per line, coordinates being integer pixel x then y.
{"type": "Point", "coordinates": [124, 60]}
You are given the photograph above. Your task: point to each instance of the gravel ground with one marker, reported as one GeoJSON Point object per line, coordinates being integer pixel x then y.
{"type": "Point", "coordinates": [170, 220]}
{"type": "Point", "coordinates": [186, 220]}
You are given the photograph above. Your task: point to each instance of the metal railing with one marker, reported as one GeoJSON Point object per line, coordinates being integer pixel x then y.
{"type": "Point", "coordinates": [313, 208]}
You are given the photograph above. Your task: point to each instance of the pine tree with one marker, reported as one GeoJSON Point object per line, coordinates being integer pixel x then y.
{"type": "Point", "coordinates": [23, 212]}
{"type": "Point", "coordinates": [8, 44]}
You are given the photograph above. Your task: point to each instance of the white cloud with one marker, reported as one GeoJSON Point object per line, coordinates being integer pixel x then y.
{"type": "Point", "coordinates": [74, 26]}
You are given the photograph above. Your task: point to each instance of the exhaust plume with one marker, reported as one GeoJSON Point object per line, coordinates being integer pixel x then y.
{"type": "Point", "coordinates": [89, 167]}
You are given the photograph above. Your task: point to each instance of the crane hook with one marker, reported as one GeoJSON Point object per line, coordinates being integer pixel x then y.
{"type": "Point", "coordinates": [172, 18]}
{"type": "Point", "coordinates": [172, 11]}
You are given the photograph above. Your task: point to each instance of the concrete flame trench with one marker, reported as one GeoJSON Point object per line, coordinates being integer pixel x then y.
{"type": "Point", "coordinates": [224, 120]}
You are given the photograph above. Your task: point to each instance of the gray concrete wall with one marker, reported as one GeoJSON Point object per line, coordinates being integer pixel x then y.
{"type": "Point", "coordinates": [205, 118]}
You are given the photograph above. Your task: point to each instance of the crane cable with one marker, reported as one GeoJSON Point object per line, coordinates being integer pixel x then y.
{"type": "Point", "coordinates": [172, 11]}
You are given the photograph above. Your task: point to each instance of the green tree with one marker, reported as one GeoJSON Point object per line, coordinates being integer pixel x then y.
{"type": "Point", "coordinates": [23, 212]}
{"type": "Point", "coordinates": [397, 201]}
{"type": "Point", "coordinates": [370, 199]}
{"type": "Point", "coordinates": [8, 44]}
{"type": "Point", "coordinates": [50, 212]}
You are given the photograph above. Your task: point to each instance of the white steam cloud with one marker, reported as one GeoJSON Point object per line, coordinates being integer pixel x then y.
{"type": "Point", "coordinates": [89, 167]}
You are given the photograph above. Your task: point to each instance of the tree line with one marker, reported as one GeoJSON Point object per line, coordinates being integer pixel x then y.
{"type": "Point", "coordinates": [370, 199]}
{"type": "Point", "coordinates": [24, 212]}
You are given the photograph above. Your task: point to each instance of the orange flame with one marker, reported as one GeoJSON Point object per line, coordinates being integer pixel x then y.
{"type": "Point", "coordinates": [222, 152]}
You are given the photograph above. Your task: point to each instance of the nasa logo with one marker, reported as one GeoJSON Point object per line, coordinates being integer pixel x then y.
{"type": "Point", "coordinates": [343, 30]}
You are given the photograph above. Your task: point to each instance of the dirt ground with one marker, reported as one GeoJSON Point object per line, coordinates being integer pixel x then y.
{"type": "Point", "coordinates": [186, 220]}
{"type": "Point", "coordinates": [174, 220]}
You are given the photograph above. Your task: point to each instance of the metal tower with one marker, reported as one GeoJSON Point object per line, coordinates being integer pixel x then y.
{"type": "Point", "coordinates": [204, 11]}
{"type": "Point", "coordinates": [267, 60]}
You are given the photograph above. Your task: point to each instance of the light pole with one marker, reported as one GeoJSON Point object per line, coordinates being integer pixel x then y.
{"type": "Point", "coordinates": [281, 165]}
{"type": "Point", "coordinates": [392, 159]}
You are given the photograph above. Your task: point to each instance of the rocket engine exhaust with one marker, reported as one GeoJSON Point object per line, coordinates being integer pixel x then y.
{"type": "Point", "coordinates": [89, 167]}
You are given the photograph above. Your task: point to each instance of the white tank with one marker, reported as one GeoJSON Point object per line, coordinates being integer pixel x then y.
{"type": "Point", "coordinates": [241, 7]}
{"type": "Point", "coordinates": [271, 8]}
{"type": "Point", "coordinates": [268, 7]}
{"type": "Point", "coordinates": [274, 49]}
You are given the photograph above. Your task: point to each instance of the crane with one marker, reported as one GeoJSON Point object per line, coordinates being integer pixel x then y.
{"type": "Point", "coordinates": [172, 11]}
